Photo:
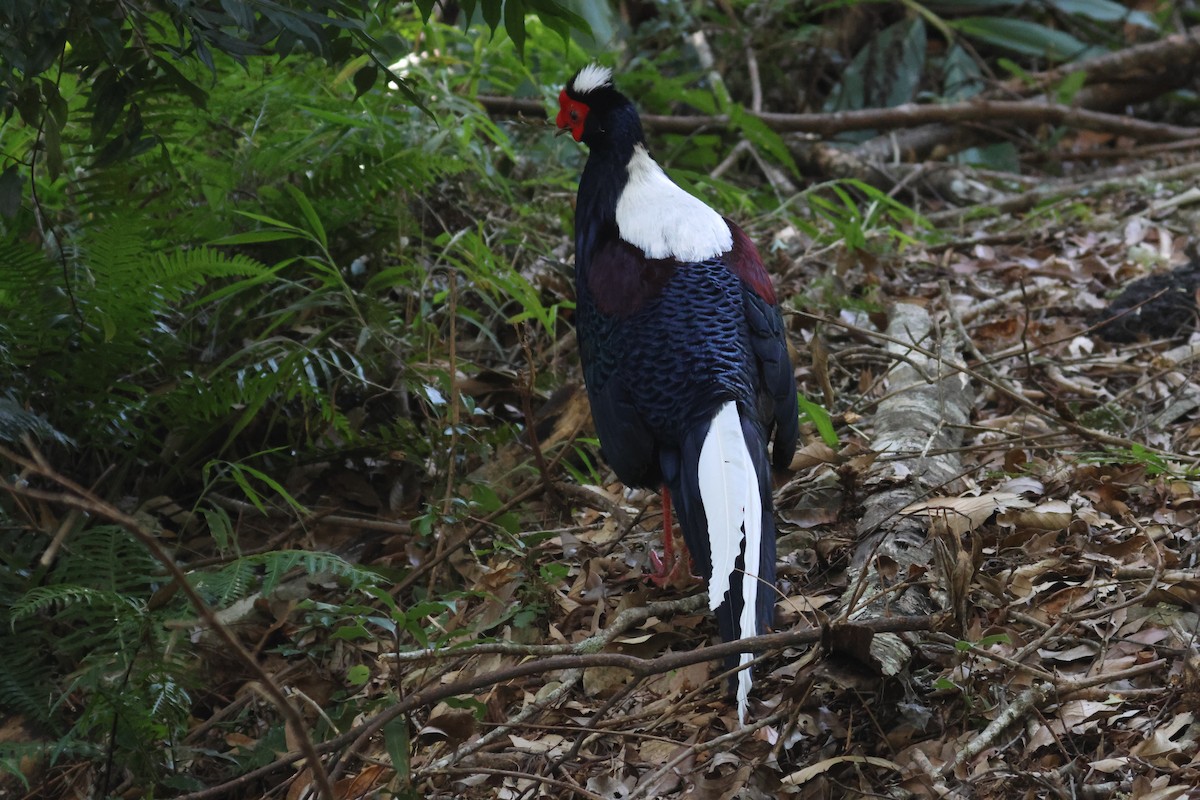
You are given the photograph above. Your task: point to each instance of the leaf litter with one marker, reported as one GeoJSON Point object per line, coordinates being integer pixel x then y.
{"type": "Point", "coordinates": [1068, 668]}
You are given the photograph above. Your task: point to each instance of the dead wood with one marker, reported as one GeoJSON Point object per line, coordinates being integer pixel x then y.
{"type": "Point", "coordinates": [918, 428]}
{"type": "Point", "coordinates": [916, 132]}
{"type": "Point", "coordinates": [1089, 110]}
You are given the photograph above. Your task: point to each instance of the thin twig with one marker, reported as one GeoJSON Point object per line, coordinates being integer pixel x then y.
{"type": "Point", "coordinates": [455, 417]}
{"type": "Point", "coordinates": [526, 391]}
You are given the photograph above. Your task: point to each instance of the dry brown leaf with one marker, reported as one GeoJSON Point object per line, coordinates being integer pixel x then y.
{"type": "Point", "coordinates": [608, 532]}
{"type": "Point", "coordinates": [547, 744]}
{"type": "Point", "coordinates": [1051, 515]}
{"type": "Point", "coordinates": [808, 773]}
{"type": "Point", "coordinates": [1074, 654]}
{"type": "Point", "coordinates": [1165, 741]}
{"type": "Point", "coordinates": [813, 454]}
{"type": "Point", "coordinates": [600, 681]}
{"type": "Point", "coordinates": [1110, 765]}
{"type": "Point", "coordinates": [301, 785]}
{"type": "Point", "coordinates": [1081, 716]}
{"type": "Point", "coordinates": [721, 786]}
{"type": "Point", "coordinates": [362, 784]}
{"type": "Point", "coordinates": [959, 515]}
{"type": "Point", "coordinates": [453, 725]}
{"type": "Point", "coordinates": [1048, 735]}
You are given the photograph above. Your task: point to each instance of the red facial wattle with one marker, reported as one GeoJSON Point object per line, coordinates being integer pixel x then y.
{"type": "Point", "coordinates": [571, 115]}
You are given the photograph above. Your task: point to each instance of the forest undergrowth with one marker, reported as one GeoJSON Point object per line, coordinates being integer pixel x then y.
{"type": "Point", "coordinates": [322, 485]}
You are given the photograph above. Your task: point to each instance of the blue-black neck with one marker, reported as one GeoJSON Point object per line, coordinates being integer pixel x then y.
{"type": "Point", "coordinates": [611, 143]}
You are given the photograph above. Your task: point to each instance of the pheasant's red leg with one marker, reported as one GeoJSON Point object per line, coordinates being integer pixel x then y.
{"type": "Point", "coordinates": [668, 528]}
{"type": "Point", "coordinates": [673, 569]}
{"type": "Point", "coordinates": [664, 568]}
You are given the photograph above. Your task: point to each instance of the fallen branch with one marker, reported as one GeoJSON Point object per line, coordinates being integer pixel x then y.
{"type": "Point", "coordinates": [1027, 700]}
{"type": "Point", "coordinates": [570, 681]}
{"type": "Point", "coordinates": [919, 423]}
{"type": "Point", "coordinates": [562, 786]}
{"type": "Point", "coordinates": [908, 115]}
{"type": "Point", "coordinates": [1034, 697]}
{"type": "Point", "coordinates": [638, 666]}
{"type": "Point", "coordinates": [592, 644]}
{"type": "Point", "coordinates": [650, 783]}
{"type": "Point", "coordinates": [1114, 81]}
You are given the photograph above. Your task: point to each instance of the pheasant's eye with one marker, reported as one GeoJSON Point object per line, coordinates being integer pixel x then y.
{"type": "Point", "coordinates": [574, 115]}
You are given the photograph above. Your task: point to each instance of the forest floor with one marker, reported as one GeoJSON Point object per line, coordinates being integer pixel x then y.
{"type": "Point", "coordinates": [988, 540]}
{"type": "Point", "coordinates": [1051, 650]}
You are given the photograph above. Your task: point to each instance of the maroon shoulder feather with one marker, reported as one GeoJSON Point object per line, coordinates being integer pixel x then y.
{"type": "Point", "coordinates": [622, 279]}
{"type": "Point", "coordinates": [745, 262]}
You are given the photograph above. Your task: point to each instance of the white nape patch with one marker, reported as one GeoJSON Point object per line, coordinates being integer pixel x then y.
{"type": "Point", "coordinates": [729, 493]}
{"type": "Point", "coordinates": [590, 78]}
{"type": "Point", "coordinates": [664, 221]}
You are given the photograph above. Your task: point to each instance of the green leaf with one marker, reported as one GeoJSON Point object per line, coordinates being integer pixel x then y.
{"type": "Point", "coordinates": [468, 11]}
{"type": "Point", "coordinates": [485, 498]}
{"type": "Point", "coordinates": [961, 76]}
{"type": "Point", "coordinates": [468, 704]}
{"type": "Point", "coordinates": [820, 418]}
{"type": "Point", "coordinates": [559, 18]}
{"type": "Point", "coordinates": [514, 24]}
{"type": "Point", "coordinates": [10, 192]}
{"type": "Point", "coordinates": [1104, 11]}
{"type": "Point", "coordinates": [240, 471]}
{"type": "Point", "coordinates": [426, 9]}
{"type": "Point", "coordinates": [358, 675]}
{"type": "Point", "coordinates": [395, 739]}
{"type": "Point", "coordinates": [1022, 36]}
{"type": "Point", "coordinates": [310, 214]}
{"type": "Point", "coordinates": [1016, 70]}
{"type": "Point", "coordinates": [886, 72]}
{"type": "Point", "coordinates": [493, 12]}
{"type": "Point", "coordinates": [355, 632]}
{"type": "Point", "coordinates": [219, 526]}
{"type": "Point", "coordinates": [264, 219]}
{"type": "Point", "coordinates": [241, 13]}
{"type": "Point", "coordinates": [364, 79]}
{"type": "Point", "coordinates": [554, 572]}
{"type": "Point", "coordinates": [257, 237]}
{"type": "Point", "coordinates": [1070, 86]}
{"type": "Point", "coordinates": [759, 134]}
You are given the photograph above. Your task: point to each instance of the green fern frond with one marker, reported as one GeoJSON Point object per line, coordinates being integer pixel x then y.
{"type": "Point", "coordinates": [26, 683]}
{"type": "Point", "coordinates": [185, 269]}
{"type": "Point", "coordinates": [234, 581]}
{"type": "Point", "coordinates": [53, 599]}
{"type": "Point", "coordinates": [108, 558]}
{"type": "Point", "coordinates": [227, 585]}
{"type": "Point", "coordinates": [24, 266]}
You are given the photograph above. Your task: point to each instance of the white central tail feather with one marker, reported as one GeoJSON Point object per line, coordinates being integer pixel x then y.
{"type": "Point", "coordinates": [730, 495]}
